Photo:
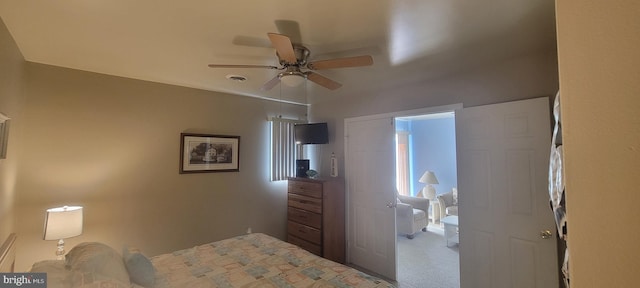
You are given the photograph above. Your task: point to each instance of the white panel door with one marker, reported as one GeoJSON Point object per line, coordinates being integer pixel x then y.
{"type": "Point", "coordinates": [503, 161]}
{"type": "Point", "coordinates": [370, 174]}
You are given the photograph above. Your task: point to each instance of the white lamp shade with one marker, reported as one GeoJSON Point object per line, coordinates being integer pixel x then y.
{"type": "Point", "coordinates": [428, 177]}
{"type": "Point", "coordinates": [292, 80]}
{"type": "Point", "coordinates": [63, 222]}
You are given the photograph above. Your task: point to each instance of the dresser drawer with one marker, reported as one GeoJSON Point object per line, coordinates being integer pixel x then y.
{"type": "Point", "coordinates": [306, 245]}
{"type": "Point", "coordinates": [304, 217]}
{"type": "Point", "coordinates": [304, 232]}
{"type": "Point", "coordinates": [305, 203]}
{"type": "Point", "coordinates": [310, 189]}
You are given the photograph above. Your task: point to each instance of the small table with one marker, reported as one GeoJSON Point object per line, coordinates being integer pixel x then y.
{"type": "Point", "coordinates": [450, 229]}
{"type": "Point", "coordinates": [434, 207]}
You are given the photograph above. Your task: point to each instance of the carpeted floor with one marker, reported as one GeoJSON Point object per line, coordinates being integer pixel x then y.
{"type": "Point", "coordinates": [426, 262]}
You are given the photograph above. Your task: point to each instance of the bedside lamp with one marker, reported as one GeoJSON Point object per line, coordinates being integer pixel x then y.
{"type": "Point", "coordinates": [60, 223]}
{"type": "Point", "coordinates": [428, 191]}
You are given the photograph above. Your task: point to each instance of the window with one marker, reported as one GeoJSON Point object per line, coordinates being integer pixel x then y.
{"type": "Point", "coordinates": [283, 148]}
{"type": "Point", "coordinates": [402, 163]}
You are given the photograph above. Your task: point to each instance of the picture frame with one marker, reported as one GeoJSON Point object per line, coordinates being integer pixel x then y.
{"type": "Point", "coordinates": [4, 135]}
{"type": "Point", "coordinates": [205, 153]}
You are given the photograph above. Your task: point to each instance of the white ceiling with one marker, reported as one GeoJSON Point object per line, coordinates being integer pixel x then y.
{"type": "Point", "coordinates": [173, 41]}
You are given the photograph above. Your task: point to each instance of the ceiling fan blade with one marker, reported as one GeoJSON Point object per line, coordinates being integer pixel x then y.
{"type": "Point", "coordinates": [356, 61]}
{"type": "Point", "coordinates": [290, 28]}
{"type": "Point", "coordinates": [283, 45]}
{"type": "Point", "coordinates": [323, 81]}
{"type": "Point", "coordinates": [270, 84]}
{"type": "Point", "coordinates": [242, 66]}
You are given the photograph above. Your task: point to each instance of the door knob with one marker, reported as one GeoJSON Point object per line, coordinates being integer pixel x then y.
{"type": "Point", "coordinates": [391, 205]}
{"type": "Point", "coordinates": [545, 234]}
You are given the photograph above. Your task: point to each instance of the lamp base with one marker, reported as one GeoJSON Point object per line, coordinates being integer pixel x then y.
{"type": "Point", "coordinates": [60, 250]}
{"type": "Point", "coordinates": [427, 192]}
{"type": "Point", "coordinates": [430, 192]}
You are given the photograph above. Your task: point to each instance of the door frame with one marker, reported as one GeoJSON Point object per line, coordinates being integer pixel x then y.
{"type": "Point", "coordinates": [392, 115]}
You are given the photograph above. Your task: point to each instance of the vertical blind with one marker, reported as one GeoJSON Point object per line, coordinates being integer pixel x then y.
{"type": "Point", "coordinates": [283, 148]}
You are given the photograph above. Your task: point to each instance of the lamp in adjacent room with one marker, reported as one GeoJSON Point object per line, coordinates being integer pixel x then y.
{"type": "Point", "coordinates": [61, 223]}
{"type": "Point", "coordinates": [428, 191]}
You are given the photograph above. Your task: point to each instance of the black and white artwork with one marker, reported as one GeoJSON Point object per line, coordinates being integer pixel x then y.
{"type": "Point", "coordinates": [209, 153]}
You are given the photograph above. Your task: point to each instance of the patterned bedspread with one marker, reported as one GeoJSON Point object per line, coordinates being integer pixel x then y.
{"type": "Point", "coordinates": [255, 260]}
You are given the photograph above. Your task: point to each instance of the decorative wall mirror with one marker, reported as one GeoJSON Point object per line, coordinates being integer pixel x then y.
{"type": "Point", "coordinates": [4, 135]}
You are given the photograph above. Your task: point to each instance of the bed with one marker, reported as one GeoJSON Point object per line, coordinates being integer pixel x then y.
{"type": "Point", "coordinates": [252, 260]}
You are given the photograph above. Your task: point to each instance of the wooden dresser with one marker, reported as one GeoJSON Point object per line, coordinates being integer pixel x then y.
{"type": "Point", "coordinates": [315, 216]}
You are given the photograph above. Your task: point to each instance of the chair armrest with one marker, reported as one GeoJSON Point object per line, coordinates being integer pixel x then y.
{"type": "Point", "coordinates": [404, 210]}
{"type": "Point", "coordinates": [446, 198]}
{"type": "Point", "coordinates": [443, 206]}
{"type": "Point", "coordinates": [416, 202]}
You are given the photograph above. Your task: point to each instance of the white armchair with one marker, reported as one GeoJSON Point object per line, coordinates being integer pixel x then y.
{"type": "Point", "coordinates": [448, 203]}
{"type": "Point", "coordinates": [411, 215]}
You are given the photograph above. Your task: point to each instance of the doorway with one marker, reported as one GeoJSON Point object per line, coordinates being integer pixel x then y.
{"type": "Point", "coordinates": [371, 198]}
{"type": "Point", "coordinates": [425, 168]}
{"type": "Point", "coordinates": [519, 134]}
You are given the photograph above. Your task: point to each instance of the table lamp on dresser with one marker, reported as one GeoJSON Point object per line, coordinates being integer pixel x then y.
{"type": "Point", "coordinates": [61, 223]}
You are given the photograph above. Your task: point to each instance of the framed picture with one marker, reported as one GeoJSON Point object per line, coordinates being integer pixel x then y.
{"type": "Point", "coordinates": [4, 135]}
{"type": "Point", "coordinates": [202, 153]}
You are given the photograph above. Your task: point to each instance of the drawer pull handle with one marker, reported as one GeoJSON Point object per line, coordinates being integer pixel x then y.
{"type": "Point", "coordinates": [303, 217]}
{"type": "Point", "coordinates": [304, 202]}
{"type": "Point", "coordinates": [302, 231]}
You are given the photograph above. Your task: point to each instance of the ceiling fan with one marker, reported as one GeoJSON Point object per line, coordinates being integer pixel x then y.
{"type": "Point", "coordinates": [293, 61]}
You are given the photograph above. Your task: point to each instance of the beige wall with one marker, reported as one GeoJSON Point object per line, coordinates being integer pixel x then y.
{"type": "Point", "coordinates": [518, 78]}
{"type": "Point", "coordinates": [11, 103]}
{"type": "Point", "coordinates": [112, 145]}
{"type": "Point", "coordinates": [599, 67]}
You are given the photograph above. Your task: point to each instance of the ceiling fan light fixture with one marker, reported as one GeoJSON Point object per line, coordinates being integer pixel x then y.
{"type": "Point", "coordinates": [292, 78]}
{"type": "Point", "coordinates": [293, 59]}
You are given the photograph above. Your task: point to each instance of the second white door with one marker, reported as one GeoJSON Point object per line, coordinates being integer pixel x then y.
{"type": "Point", "coordinates": [503, 155]}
